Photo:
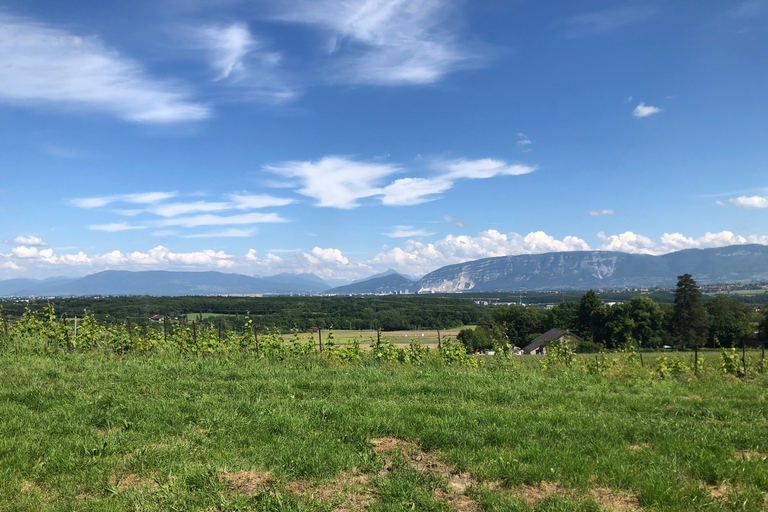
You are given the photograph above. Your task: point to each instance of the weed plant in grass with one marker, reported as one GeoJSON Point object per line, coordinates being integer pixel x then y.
{"type": "Point", "coordinates": [108, 431]}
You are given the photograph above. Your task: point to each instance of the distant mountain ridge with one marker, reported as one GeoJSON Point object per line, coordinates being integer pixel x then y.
{"type": "Point", "coordinates": [579, 270]}
{"type": "Point", "coordinates": [166, 283]}
{"type": "Point", "coordinates": [600, 269]}
{"type": "Point", "coordinates": [390, 283]}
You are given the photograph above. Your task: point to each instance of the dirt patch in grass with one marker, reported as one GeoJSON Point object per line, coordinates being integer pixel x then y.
{"type": "Point", "coordinates": [349, 492]}
{"type": "Point", "coordinates": [458, 502]}
{"type": "Point", "coordinates": [248, 483]}
{"type": "Point", "coordinates": [132, 481]}
{"type": "Point", "coordinates": [755, 456]}
{"type": "Point", "coordinates": [424, 462]}
{"type": "Point", "coordinates": [29, 487]}
{"type": "Point", "coordinates": [639, 447]}
{"type": "Point", "coordinates": [719, 492]}
{"type": "Point", "coordinates": [617, 501]}
{"type": "Point", "coordinates": [534, 493]}
{"type": "Point", "coordinates": [692, 397]}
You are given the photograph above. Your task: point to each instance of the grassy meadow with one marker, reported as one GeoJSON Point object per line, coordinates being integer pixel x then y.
{"type": "Point", "coordinates": [102, 431]}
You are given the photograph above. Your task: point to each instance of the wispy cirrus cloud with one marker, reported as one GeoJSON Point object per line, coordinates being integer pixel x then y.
{"type": "Point", "coordinates": [386, 42]}
{"type": "Point", "coordinates": [607, 20]}
{"type": "Point", "coordinates": [340, 182]}
{"type": "Point", "coordinates": [221, 220]}
{"type": "Point", "coordinates": [136, 198]}
{"type": "Point", "coordinates": [455, 222]}
{"type": "Point", "coordinates": [114, 227]}
{"type": "Point", "coordinates": [643, 110]}
{"type": "Point", "coordinates": [227, 233]}
{"type": "Point", "coordinates": [407, 232]}
{"type": "Point", "coordinates": [599, 213]}
{"type": "Point", "coordinates": [46, 65]}
{"type": "Point", "coordinates": [241, 62]}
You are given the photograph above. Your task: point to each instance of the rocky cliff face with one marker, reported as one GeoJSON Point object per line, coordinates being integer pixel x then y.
{"type": "Point", "coordinates": [599, 269]}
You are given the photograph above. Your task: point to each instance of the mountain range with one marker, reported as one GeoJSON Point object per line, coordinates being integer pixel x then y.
{"type": "Point", "coordinates": [578, 270]}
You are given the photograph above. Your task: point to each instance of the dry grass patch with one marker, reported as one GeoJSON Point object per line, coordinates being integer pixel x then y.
{"type": "Point", "coordinates": [535, 493]}
{"type": "Point", "coordinates": [132, 481]}
{"type": "Point", "coordinates": [349, 492]}
{"type": "Point", "coordinates": [248, 483]}
{"type": "Point", "coordinates": [755, 456]}
{"type": "Point", "coordinates": [423, 461]}
{"type": "Point", "coordinates": [615, 500]}
{"type": "Point", "coordinates": [459, 502]}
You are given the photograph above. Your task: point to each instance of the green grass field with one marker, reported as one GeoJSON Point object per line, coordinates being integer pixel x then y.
{"type": "Point", "coordinates": [161, 432]}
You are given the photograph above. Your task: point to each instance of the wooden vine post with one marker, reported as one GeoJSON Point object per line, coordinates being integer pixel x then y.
{"type": "Point", "coordinates": [439, 342]}
{"type": "Point", "coordinates": [320, 338]}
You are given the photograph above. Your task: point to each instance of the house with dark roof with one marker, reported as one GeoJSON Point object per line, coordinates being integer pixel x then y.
{"type": "Point", "coordinates": [539, 345]}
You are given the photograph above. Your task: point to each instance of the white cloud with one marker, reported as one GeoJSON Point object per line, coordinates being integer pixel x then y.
{"type": "Point", "coordinates": [339, 182]}
{"type": "Point", "coordinates": [406, 232]}
{"type": "Point", "coordinates": [30, 240]}
{"type": "Point", "coordinates": [411, 191]}
{"type": "Point", "coordinates": [750, 203]}
{"type": "Point", "coordinates": [455, 222]}
{"type": "Point", "coordinates": [217, 220]}
{"type": "Point", "coordinates": [627, 242]}
{"type": "Point", "coordinates": [253, 201]}
{"type": "Point", "coordinates": [114, 227]}
{"type": "Point", "coordinates": [162, 256]}
{"type": "Point", "coordinates": [419, 258]}
{"type": "Point", "coordinates": [240, 59]}
{"type": "Point", "coordinates": [606, 21]}
{"type": "Point", "coordinates": [228, 46]}
{"type": "Point", "coordinates": [336, 181]}
{"type": "Point", "coordinates": [598, 213]}
{"type": "Point", "coordinates": [523, 140]}
{"type": "Point", "coordinates": [483, 168]}
{"type": "Point", "coordinates": [227, 233]}
{"type": "Point", "coordinates": [136, 198]}
{"type": "Point", "coordinates": [388, 42]}
{"type": "Point", "coordinates": [643, 110]}
{"type": "Point", "coordinates": [42, 64]}
{"type": "Point", "coordinates": [174, 209]}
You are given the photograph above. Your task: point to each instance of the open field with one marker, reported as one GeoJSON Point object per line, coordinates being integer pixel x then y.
{"type": "Point", "coordinates": [426, 338]}
{"type": "Point", "coordinates": [163, 432]}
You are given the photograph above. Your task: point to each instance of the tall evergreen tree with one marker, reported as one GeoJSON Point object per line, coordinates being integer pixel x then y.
{"type": "Point", "coordinates": [689, 319]}
{"type": "Point", "coordinates": [588, 308]}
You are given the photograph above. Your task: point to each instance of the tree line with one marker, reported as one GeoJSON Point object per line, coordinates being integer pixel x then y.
{"type": "Point", "coordinates": [688, 322]}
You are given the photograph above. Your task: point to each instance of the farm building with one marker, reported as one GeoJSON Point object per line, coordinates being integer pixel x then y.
{"type": "Point", "coordinates": [539, 345]}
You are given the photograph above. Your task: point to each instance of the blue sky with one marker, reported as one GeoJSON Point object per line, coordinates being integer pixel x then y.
{"type": "Point", "coordinates": [346, 137]}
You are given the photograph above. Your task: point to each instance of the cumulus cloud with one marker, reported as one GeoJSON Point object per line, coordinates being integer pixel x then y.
{"type": "Point", "coordinates": [30, 240]}
{"type": "Point", "coordinates": [386, 42]}
{"type": "Point", "coordinates": [406, 232]}
{"type": "Point", "coordinates": [627, 242]}
{"type": "Point", "coordinates": [750, 203]}
{"type": "Point", "coordinates": [419, 258]}
{"type": "Point", "coordinates": [340, 182]}
{"type": "Point", "coordinates": [643, 110]}
{"type": "Point", "coordinates": [598, 213]}
{"type": "Point", "coordinates": [46, 65]}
